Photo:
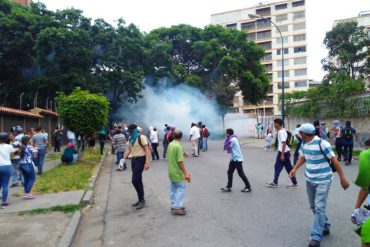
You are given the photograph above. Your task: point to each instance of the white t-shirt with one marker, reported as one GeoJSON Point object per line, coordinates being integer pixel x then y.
{"type": "Point", "coordinates": [194, 133]}
{"type": "Point", "coordinates": [282, 136]}
{"type": "Point", "coordinates": [154, 137]}
{"type": "Point", "coordinates": [5, 151]}
{"type": "Point", "coordinates": [71, 135]}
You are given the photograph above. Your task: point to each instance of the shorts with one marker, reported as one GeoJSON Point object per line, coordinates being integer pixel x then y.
{"type": "Point", "coordinates": [365, 232]}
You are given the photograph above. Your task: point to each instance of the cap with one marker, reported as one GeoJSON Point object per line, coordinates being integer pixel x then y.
{"type": "Point", "coordinates": [70, 145]}
{"type": "Point", "coordinates": [307, 128]}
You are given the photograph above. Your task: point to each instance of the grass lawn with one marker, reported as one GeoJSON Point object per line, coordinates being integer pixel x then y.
{"type": "Point", "coordinates": [53, 156]}
{"type": "Point", "coordinates": [68, 177]}
{"type": "Point", "coordinates": [64, 209]}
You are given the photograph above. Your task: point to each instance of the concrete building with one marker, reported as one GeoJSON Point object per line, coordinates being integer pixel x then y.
{"type": "Point", "coordinates": [24, 2]}
{"type": "Point", "coordinates": [290, 17]}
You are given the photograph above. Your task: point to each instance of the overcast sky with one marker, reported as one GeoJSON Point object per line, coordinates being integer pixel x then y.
{"type": "Point", "coordinates": [150, 14]}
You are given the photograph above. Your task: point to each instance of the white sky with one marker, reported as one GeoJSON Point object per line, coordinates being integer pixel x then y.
{"type": "Point", "coordinates": [150, 14]}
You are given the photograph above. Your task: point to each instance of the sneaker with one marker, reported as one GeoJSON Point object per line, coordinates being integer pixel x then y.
{"type": "Point", "coordinates": [246, 190]}
{"type": "Point", "coordinates": [173, 209]}
{"type": "Point", "coordinates": [4, 205]}
{"type": "Point", "coordinates": [14, 185]}
{"type": "Point", "coordinates": [179, 212]}
{"type": "Point", "coordinates": [347, 163]}
{"type": "Point", "coordinates": [314, 243]}
{"type": "Point", "coordinates": [292, 186]}
{"type": "Point", "coordinates": [272, 185]}
{"type": "Point", "coordinates": [136, 204]}
{"type": "Point", "coordinates": [141, 205]}
{"type": "Point", "coordinates": [326, 232]}
{"type": "Point", "coordinates": [226, 189]}
{"type": "Point", "coordinates": [29, 196]}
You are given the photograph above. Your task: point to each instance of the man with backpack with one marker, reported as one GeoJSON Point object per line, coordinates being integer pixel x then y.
{"type": "Point", "coordinates": [347, 139]}
{"type": "Point", "coordinates": [283, 156]}
{"type": "Point", "coordinates": [205, 135]}
{"type": "Point", "coordinates": [319, 159]}
{"type": "Point", "coordinates": [139, 152]}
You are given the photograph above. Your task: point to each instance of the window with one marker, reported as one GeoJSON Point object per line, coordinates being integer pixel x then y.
{"type": "Point", "coordinates": [285, 39]}
{"type": "Point", "coordinates": [280, 73]}
{"type": "Point", "coordinates": [300, 84]}
{"type": "Point", "coordinates": [270, 77]}
{"type": "Point", "coordinates": [280, 18]}
{"type": "Point", "coordinates": [299, 37]}
{"type": "Point", "coordinates": [300, 60]}
{"type": "Point", "coordinates": [281, 6]}
{"type": "Point", "coordinates": [231, 26]}
{"type": "Point", "coordinates": [286, 63]}
{"type": "Point", "coordinates": [267, 57]}
{"type": "Point", "coordinates": [263, 11]}
{"type": "Point", "coordinates": [248, 25]}
{"type": "Point", "coordinates": [299, 26]}
{"type": "Point", "coordinates": [299, 15]}
{"type": "Point", "coordinates": [300, 72]}
{"type": "Point", "coordinates": [282, 29]}
{"type": "Point", "coordinates": [264, 35]}
{"type": "Point", "coordinates": [286, 85]}
{"type": "Point", "coordinates": [268, 67]}
{"type": "Point", "coordinates": [265, 45]}
{"type": "Point", "coordinates": [299, 49]}
{"type": "Point", "coordinates": [251, 36]}
{"type": "Point", "coordinates": [278, 51]}
{"type": "Point", "coordinates": [298, 4]}
{"type": "Point", "coordinates": [264, 23]}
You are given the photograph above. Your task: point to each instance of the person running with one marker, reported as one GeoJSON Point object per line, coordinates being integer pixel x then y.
{"type": "Point", "coordinates": [337, 131]}
{"type": "Point", "coordinates": [27, 153]}
{"type": "Point", "coordinates": [205, 136]}
{"type": "Point", "coordinates": [140, 160]}
{"type": "Point", "coordinates": [316, 154]}
{"type": "Point", "coordinates": [40, 141]}
{"type": "Point", "coordinates": [177, 174]}
{"type": "Point", "coordinates": [102, 139]}
{"type": "Point", "coordinates": [348, 134]}
{"type": "Point", "coordinates": [153, 137]}
{"type": "Point", "coordinates": [363, 181]}
{"type": "Point", "coordinates": [6, 150]}
{"type": "Point", "coordinates": [232, 146]}
{"type": "Point", "coordinates": [283, 156]}
{"type": "Point", "coordinates": [119, 143]}
{"type": "Point", "coordinates": [194, 138]}
{"type": "Point", "coordinates": [268, 140]}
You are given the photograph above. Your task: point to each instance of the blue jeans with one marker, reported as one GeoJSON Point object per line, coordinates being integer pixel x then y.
{"type": "Point", "coordinates": [279, 165]}
{"type": "Point", "coordinates": [39, 161]}
{"type": "Point", "coordinates": [347, 151]}
{"type": "Point", "coordinates": [119, 156]}
{"type": "Point", "coordinates": [5, 172]}
{"type": "Point", "coordinates": [29, 175]}
{"type": "Point", "coordinates": [177, 194]}
{"type": "Point", "coordinates": [14, 172]}
{"type": "Point", "coordinates": [318, 197]}
{"type": "Point", "coordinates": [205, 143]}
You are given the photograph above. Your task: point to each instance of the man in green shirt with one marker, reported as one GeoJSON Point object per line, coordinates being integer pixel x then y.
{"type": "Point", "coordinates": [177, 173]}
{"type": "Point", "coordinates": [363, 181]}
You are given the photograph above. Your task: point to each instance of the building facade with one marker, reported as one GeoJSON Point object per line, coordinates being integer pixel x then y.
{"type": "Point", "coordinates": [290, 17]}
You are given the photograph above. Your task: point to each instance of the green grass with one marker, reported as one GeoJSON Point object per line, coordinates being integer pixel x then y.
{"type": "Point", "coordinates": [64, 177]}
{"type": "Point", "coordinates": [53, 156]}
{"type": "Point", "coordinates": [70, 208]}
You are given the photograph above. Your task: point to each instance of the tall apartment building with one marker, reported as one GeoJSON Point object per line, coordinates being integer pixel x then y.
{"type": "Point", "coordinates": [290, 17]}
{"type": "Point", "coordinates": [24, 2]}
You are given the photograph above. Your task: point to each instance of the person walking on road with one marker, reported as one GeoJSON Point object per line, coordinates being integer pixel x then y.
{"type": "Point", "coordinates": [166, 141]}
{"type": "Point", "coordinates": [153, 137]}
{"type": "Point", "coordinates": [27, 152]}
{"type": "Point", "coordinates": [119, 143]}
{"type": "Point", "coordinates": [140, 160]}
{"type": "Point", "coordinates": [177, 173]}
{"type": "Point", "coordinates": [40, 141]}
{"type": "Point", "coordinates": [283, 156]}
{"type": "Point", "coordinates": [348, 134]}
{"type": "Point", "coordinates": [205, 136]}
{"type": "Point", "coordinates": [102, 139]}
{"type": "Point", "coordinates": [232, 146]}
{"type": "Point", "coordinates": [268, 140]}
{"type": "Point", "coordinates": [194, 138]}
{"type": "Point", "coordinates": [317, 155]}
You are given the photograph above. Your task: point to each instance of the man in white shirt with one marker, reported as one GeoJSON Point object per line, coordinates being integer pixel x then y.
{"type": "Point", "coordinates": [194, 138]}
{"type": "Point", "coordinates": [283, 157]}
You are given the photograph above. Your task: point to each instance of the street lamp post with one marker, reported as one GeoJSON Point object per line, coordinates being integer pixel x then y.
{"type": "Point", "coordinates": [259, 17]}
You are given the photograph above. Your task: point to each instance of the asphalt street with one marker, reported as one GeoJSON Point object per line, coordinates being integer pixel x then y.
{"type": "Point", "coordinates": [265, 217]}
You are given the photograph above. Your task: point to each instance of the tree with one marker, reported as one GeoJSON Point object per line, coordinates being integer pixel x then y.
{"type": "Point", "coordinates": [83, 112]}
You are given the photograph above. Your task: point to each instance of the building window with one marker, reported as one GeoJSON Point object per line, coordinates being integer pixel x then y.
{"type": "Point", "coordinates": [285, 39]}
{"type": "Point", "coordinates": [232, 26]}
{"type": "Point", "coordinates": [251, 36]}
{"type": "Point", "coordinates": [264, 23]}
{"type": "Point", "coordinates": [268, 67]}
{"type": "Point", "coordinates": [248, 25]}
{"type": "Point", "coordinates": [300, 72]}
{"type": "Point", "coordinates": [298, 4]}
{"type": "Point", "coordinates": [300, 60]}
{"type": "Point", "coordinates": [280, 73]}
{"type": "Point", "coordinates": [299, 37]}
{"type": "Point", "coordinates": [265, 45]}
{"type": "Point", "coordinates": [299, 15]}
{"type": "Point", "coordinates": [282, 29]}
{"type": "Point", "coordinates": [300, 84]}
{"type": "Point", "coordinates": [267, 57]}
{"type": "Point", "coordinates": [278, 51]}
{"type": "Point", "coordinates": [299, 49]}
{"type": "Point", "coordinates": [264, 35]}
{"type": "Point", "coordinates": [281, 18]}
{"type": "Point", "coordinates": [263, 11]}
{"type": "Point", "coordinates": [281, 6]}
{"type": "Point", "coordinates": [299, 26]}
{"type": "Point", "coordinates": [286, 63]}
{"type": "Point", "coordinates": [286, 85]}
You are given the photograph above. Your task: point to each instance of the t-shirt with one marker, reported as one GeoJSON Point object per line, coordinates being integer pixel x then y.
{"type": "Point", "coordinates": [5, 151]}
{"type": "Point", "coordinates": [347, 134]}
{"type": "Point", "coordinates": [194, 133]}
{"type": "Point", "coordinates": [28, 153]}
{"type": "Point", "coordinates": [236, 153]}
{"type": "Point", "coordinates": [282, 137]}
{"type": "Point", "coordinates": [337, 132]}
{"type": "Point", "coordinates": [363, 177]}
{"type": "Point", "coordinates": [39, 140]}
{"type": "Point", "coordinates": [19, 137]}
{"type": "Point", "coordinates": [119, 142]}
{"type": "Point", "coordinates": [175, 154]}
{"type": "Point", "coordinates": [154, 136]}
{"type": "Point", "coordinates": [71, 135]}
{"type": "Point", "coordinates": [318, 169]}
{"type": "Point", "coordinates": [137, 150]}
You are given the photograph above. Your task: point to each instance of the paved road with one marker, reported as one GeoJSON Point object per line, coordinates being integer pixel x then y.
{"type": "Point", "coordinates": [265, 217]}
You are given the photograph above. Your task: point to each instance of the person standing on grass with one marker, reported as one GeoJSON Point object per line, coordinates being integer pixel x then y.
{"type": "Point", "coordinates": [232, 146]}
{"type": "Point", "coordinates": [194, 138]}
{"type": "Point", "coordinates": [177, 174]}
{"type": "Point", "coordinates": [27, 152]}
{"type": "Point", "coordinates": [139, 151]}
{"type": "Point", "coordinates": [119, 143]}
{"type": "Point", "coordinates": [316, 154]}
{"type": "Point", "coordinates": [40, 142]}
{"type": "Point", "coordinates": [283, 156]}
{"type": "Point", "coordinates": [6, 151]}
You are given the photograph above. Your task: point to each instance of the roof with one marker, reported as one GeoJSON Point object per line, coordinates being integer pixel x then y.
{"type": "Point", "coordinates": [42, 111]}
{"type": "Point", "coordinates": [16, 112]}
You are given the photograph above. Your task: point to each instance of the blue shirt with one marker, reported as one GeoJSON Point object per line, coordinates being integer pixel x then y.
{"type": "Point", "coordinates": [39, 140]}
{"type": "Point", "coordinates": [236, 153]}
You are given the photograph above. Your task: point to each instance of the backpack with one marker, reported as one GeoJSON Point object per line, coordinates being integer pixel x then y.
{"type": "Point", "coordinates": [347, 133]}
{"type": "Point", "coordinates": [289, 139]}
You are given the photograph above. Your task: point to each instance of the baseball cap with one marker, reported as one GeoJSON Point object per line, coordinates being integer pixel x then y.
{"type": "Point", "coordinates": [307, 128]}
